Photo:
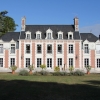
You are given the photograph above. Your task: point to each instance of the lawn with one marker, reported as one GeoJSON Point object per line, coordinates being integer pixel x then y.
{"type": "Point", "coordinates": [15, 87]}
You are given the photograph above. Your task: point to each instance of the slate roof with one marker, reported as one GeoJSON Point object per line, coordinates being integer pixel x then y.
{"type": "Point", "coordinates": [10, 35]}
{"type": "Point", "coordinates": [89, 36]}
{"type": "Point", "coordinates": [55, 28]}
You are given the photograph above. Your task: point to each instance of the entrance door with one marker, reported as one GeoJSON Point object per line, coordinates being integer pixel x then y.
{"type": "Point", "coordinates": [49, 62]}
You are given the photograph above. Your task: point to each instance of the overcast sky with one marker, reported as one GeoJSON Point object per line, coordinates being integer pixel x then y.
{"type": "Point", "coordinates": [55, 12]}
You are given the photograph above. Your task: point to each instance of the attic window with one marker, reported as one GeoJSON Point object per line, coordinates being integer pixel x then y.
{"type": "Point", "coordinates": [28, 36]}
{"type": "Point", "coordinates": [49, 33]}
{"type": "Point", "coordinates": [60, 35]}
{"type": "Point", "coordinates": [49, 36]}
{"type": "Point", "coordinates": [70, 36]}
{"type": "Point", "coordinates": [38, 35]}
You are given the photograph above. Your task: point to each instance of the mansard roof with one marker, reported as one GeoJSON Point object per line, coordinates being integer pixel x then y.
{"type": "Point", "coordinates": [10, 35]}
{"type": "Point", "coordinates": [89, 36]}
{"type": "Point", "coordinates": [55, 28]}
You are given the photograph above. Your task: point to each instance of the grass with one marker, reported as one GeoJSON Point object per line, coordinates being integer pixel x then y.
{"type": "Point", "coordinates": [15, 87]}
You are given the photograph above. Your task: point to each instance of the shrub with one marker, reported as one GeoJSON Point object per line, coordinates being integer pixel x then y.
{"type": "Point", "coordinates": [44, 72]}
{"type": "Point", "coordinates": [24, 72]}
{"type": "Point", "coordinates": [71, 68]}
{"type": "Point", "coordinates": [88, 68]}
{"type": "Point", "coordinates": [56, 73]}
{"type": "Point", "coordinates": [57, 69]}
{"type": "Point", "coordinates": [31, 67]}
{"type": "Point", "coordinates": [79, 73]}
{"type": "Point", "coordinates": [43, 66]}
{"type": "Point", "coordinates": [13, 68]}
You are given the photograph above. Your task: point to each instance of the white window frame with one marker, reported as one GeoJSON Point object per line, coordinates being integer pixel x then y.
{"type": "Point", "coordinates": [1, 62]}
{"type": "Point", "coordinates": [39, 51]}
{"type": "Point", "coordinates": [71, 62]}
{"type": "Point", "coordinates": [39, 62]}
{"type": "Point", "coordinates": [59, 62]}
{"type": "Point", "coordinates": [86, 48]}
{"type": "Point", "coordinates": [86, 62]}
{"type": "Point", "coordinates": [70, 33]}
{"type": "Point", "coordinates": [49, 31]}
{"type": "Point", "coordinates": [28, 51]}
{"type": "Point", "coordinates": [70, 46]}
{"type": "Point", "coordinates": [60, 33]}
{"type": "Point", "coordinates": [38, 33]}
{"type": "Point", "coordinates": [98, 62]}
{"type": "Point", "coordinates": [49, 62]}
{"type": "Point", "coordinates": [58, 51]}
{"type": "Point", "coordinates": [12, 51]}
{"type": "Point", "coordinates": [1, 48]}
{"type": "Point", "coordinates": [49, 51]}
{"type": "Point", "coordinates": [12, 61]}
{"type": "Point", "coordinates": [28, 33]}
{"type": "Point", "coordinates": [27, 62]}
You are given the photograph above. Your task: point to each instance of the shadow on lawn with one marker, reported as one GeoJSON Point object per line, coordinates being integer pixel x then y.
{"type": "Point", "coordinates": [30, 90]}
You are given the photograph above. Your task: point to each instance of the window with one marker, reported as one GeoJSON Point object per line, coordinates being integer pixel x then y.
{"type": "Point", "coordinates": [12, 61]}
{"type": "Point", "coordinates": [59, 48]}
{"type": "Point", "coordinates": [27, 62]}
{"type": "Point", "coordinates": [86, 48]}
{"type": "Point", "coordinates": [27, 48]}
{"type": "Point", "coordinates": [70, 48]}
{"type": "Point", "coordinates": [98, 63]}
{"type": "Point", "coordinates": [60, 36]}
{"type": "Point", "coordinates": [1, 62]}
{"type": "Point", "coordinates": [27, 36]}
{"type": "Point", "coordinates": [12, 48]}
{"type": "Point", "coordinates": [86, 62]}
{"type": "Point", "coordinates": [70, 62]}
{"type": "Point", "coordinates": [59, 62]}
{"type": "Point", "coordinates": [49, 36]}
{"type": "Point", "coordinates": [1, 48]}
{"type": "Point", "coordinates": [49, 62]}
{"type": "Point", "coordinates": [39, 48]}
{"type": "Point", "coordinates": [70, 36]}
{"type": "Point", "coordinates": [49, 48]}
{"type": "Point", "coordinates": [38, 36]}
{"type": "Point", "coordinates": [38, 62]}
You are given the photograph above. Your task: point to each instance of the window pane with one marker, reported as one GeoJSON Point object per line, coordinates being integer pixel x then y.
{"type": "Point", "coordinates": [1, 62]}
{"type": "Point", "coordinates": [12, 61]}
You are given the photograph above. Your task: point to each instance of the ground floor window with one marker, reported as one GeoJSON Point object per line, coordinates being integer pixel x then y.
{"type": "Point", "coordinates": [98, 63]}
{"type": "Point", "coordinates": [86, 62]}
{"type": "Point", "coordinates": [12, 61]}
{"type": "Point", "coordinates": [59, 60]}
{"type": "Point", "coordinates": [1, 62]}
{"type": "Point", "coordinates": [27, 62]}
{"type": "Point", "coordinates": [70, 62]}
{"type": "Point", "coordinates": [38, 62]}
{"type": "Point", "coordinates": [49, 62]}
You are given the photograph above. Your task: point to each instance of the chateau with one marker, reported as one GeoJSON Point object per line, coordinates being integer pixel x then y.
{"type": "Point", "coordinates": [52, 45]}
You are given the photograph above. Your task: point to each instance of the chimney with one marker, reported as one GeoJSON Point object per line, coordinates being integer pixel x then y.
{"type": "Point", "coordinates": [23, 23]}
{"type": "Point", "coordinates": [76, 25]}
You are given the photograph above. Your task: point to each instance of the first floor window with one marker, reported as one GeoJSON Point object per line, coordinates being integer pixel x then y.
{"type": "Point", "coordinates": [27, 62]}
{"type": "Point", "coordinates": [59, 48]}
{"type": "Point", "coordinates": [1, 48]}
{"type": "Point", "coordinates": [39, 49]}
{"type": "Point", "coordinates": [49, 62]}
{"type": "Point", "coordinates": [70, 48]}
{"type": "Point", "coordinates": [1, 62]}
{"type": "Point", "coordinates": [86, 48]}
{"type": "Point", "coordinates": [27, 48]}
{"type": "Point", "coordinates": [86, 62]}
{"type": "Point", "coordinates": [12, 61]}
{"type": "Point", "coordinates": [70, 62]}
{"type": "Point", "coordinates": [12, 48]}
{"type": "Point", "coordinates": [98, 63]}
{"type": "Point", "coordinates": [38, 62]}
{"type": "Point", "coordinates": [49, 48]}
{"type": "Point", "coordinates": [59, 62]}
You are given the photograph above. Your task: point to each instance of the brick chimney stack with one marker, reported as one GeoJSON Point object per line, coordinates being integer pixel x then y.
{"type": "Point", "coordinates": [76, 24]}
{"type": "Point", "coordinates": [23, 23]}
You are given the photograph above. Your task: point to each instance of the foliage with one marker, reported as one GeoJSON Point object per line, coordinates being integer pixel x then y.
{"type": "Point", "coordinates": [23, 72]}
{"type": "Point", "coordinates": [13, 68]}
{"type": "Point", "coordinates": [57, 69]}
{"type": "Point", "coordinates": [44, 72]}
{"type": "Point", "coordinates": [71, 69]}
{"type": "Point", "coordinates": [31, 67]}
{"type": "Point", "coordinates": [79, 73]}
{"type": "Point", "coordinates": [7, 23]}
{"type": "Point", "coordinates": [88, 68]}
{"type": "Point", "coordinates": [43, 66]}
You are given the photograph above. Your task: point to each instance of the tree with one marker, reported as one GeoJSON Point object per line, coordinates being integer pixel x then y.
{"type": "Point", "coordinates": [7, 23]}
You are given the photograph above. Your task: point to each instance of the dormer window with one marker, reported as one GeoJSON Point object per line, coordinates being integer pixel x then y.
{"type": "Point", "coordinates": [49, 34]}
{"type": "Point", "coordinates": [70, 35]}
{"type": "Point", "coordinates": [28, 35]}
{"type": "Point", "coordinates": [60, 35]}
{"type": "Point", "coordinates": [38, 35]}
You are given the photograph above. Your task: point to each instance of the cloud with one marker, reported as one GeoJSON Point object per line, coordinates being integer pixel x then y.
{"type": "Point", "coordinates": [95, 29]}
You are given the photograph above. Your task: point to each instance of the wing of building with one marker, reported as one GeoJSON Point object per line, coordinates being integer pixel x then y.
{"type": "Point", "coordinates": [52, 45]}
